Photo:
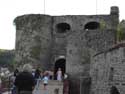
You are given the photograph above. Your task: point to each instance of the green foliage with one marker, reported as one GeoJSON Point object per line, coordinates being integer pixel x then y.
{"type": "Point", "coordinates": [120, 33]}
{"type": "Point", "coordinates": [102, 24]}
{"type": "Point", "coordinates": [7, 58]}
{"type": "Point", "coordinates": [2, 51]}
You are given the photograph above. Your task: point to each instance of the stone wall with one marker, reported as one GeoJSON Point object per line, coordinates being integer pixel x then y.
{"type": "Point", "coordinates": [33, 39]}
{"type": "Point", "coordinates": [53, 87]}
{"type": "Point", "coordinates": [79, 40]}
{"type": "Point", "coordinates": [107, 70]}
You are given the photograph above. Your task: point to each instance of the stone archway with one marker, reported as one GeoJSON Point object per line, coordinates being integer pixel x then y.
{"type": "Point", "coordinates": [60, 63]}
{"type": "Point", "coordinates": [114, 90]}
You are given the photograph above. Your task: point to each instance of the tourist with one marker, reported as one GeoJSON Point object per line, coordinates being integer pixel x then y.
{"type": "Point", "coordinates": [37, 74]}
{"type": "Point", "coordinates": [51, 74]}
{"type": "Point", "coordinates": [16, 72]}
{"type": "Point", "coordinates": [37, 77]}
{"type": "Point", "coordinates": [45, 80]}
{"type": "Point", "coordinates": [59, 74]}
{"type": "Point", "coordinates": [33, 73]}
{"type": "Point", "coordinates": [25, 81]}
{"type": "Point", "coordinates": [12, 78]}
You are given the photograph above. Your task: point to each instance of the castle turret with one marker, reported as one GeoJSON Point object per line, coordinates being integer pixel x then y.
{"type": "Point", "coordinates": [114, 10]}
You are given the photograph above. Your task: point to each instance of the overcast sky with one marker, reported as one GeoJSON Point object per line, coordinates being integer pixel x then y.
{"type": "Point", "coordinates": [12, 8]}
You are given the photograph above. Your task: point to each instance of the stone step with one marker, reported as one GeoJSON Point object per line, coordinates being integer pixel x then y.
{"type": "Point", "coordinates": [53, 87]}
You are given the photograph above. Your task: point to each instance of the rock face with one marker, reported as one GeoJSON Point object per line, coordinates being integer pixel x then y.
{"type": "Point", "coordinates": [67, 42]}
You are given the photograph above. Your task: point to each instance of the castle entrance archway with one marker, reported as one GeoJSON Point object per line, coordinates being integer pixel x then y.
{"type": "Point", "coordinates": [59, 63]}
{"type": "Point", "coordinates": [114, 90]}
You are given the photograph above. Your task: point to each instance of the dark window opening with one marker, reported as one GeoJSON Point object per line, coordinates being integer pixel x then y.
{"type": "Point", "coordinates": [92, 26]}
{"type": "Point", "coordinates": [60, 63]}
{"type": "Point", "coordinates": [123, 84]}
{"type": "Point", "coordinates": [62, 27]}
{"type": "Point", "coordinates": [111, 74]}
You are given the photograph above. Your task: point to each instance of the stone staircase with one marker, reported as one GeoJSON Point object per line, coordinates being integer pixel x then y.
{"type": "Point", "coordinates": [53, 87]}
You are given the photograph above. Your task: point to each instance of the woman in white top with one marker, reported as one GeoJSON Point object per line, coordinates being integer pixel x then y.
{"type": "Point", "coordinates": [59, 74]}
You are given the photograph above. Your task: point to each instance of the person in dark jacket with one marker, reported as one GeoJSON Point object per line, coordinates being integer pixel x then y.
{"type": "Point", "coordinates": [16, 72]}
{"type": "Point", "coordinates": [14, 89]}
{"type": "Point", "coordinates": [37, 77]}
{"type": "Point", "coordinates": [25, 81]}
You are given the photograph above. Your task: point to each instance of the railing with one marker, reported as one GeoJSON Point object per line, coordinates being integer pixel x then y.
{"type": "Point", "coordinates": [6, 85]}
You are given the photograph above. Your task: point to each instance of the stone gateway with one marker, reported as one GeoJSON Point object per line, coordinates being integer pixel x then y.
{"type": "Point", "coordinates": [82, 45]}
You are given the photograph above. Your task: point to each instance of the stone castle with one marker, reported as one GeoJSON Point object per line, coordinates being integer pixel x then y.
{"type": "Point", "coordinates": [84, 46]}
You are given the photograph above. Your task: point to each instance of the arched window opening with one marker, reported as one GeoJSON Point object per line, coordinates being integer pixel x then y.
{"type": "Point", "coordinates": [60, 63]}
{"type": "Point", "coordinates": [92, 26]}
{"type": "Point", "coordinates": [62, 27]}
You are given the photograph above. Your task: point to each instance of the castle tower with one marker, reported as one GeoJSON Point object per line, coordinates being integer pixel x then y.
{"type": "Point", "coordinates": [65, 41]}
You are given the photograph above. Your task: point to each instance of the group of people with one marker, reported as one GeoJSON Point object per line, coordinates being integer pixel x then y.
{"type": "Point", "coordinates": [27, 80]}
{"type": "Point", "coordinates": [46, 76]}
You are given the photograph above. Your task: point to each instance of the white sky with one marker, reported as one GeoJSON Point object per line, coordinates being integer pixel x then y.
{"type": "Point", "coordinates": [12, 8]}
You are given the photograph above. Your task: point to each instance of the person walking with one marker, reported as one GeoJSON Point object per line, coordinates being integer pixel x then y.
{"type": "Point", "coordinates": [45, 80]}
{"type": "Point", "coordinates": [25, 81]}
{"type": "Point", "coordinates": [37, 77]}
{"type": "Point", "coordinates": [12, 78]}
{"type": "Point", "coordinates": [16, 72]}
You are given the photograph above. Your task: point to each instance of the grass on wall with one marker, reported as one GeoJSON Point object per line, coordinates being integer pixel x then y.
{"type": "Point", "coordinates": [121, 32]}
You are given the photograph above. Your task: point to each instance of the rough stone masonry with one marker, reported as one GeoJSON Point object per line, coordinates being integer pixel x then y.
{"type": "Point", "coordinates": [77, 44]}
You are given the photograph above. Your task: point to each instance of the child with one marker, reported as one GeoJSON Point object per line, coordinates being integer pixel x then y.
{"type": "Point", "coordinates": [45, 80]}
